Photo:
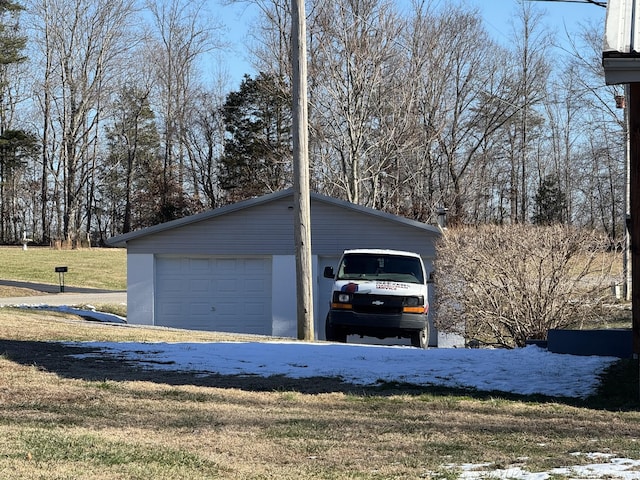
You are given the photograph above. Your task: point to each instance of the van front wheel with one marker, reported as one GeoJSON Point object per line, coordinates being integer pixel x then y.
{"type": "Point", "coordinates": [420, 339]}
{"type": "Point", "coordinates": [334, 334]}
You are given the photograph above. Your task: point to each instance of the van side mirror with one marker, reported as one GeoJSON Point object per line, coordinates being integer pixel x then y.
{"type": "Point", "coordinates": [328, 272]}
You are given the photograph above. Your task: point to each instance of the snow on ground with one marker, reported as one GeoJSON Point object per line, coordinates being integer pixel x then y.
{"type": "Point", "coordinates": [609, 467]}
{"type": "Point", "coordinates": [530, 370]}
{"type": "Point", "coordinates": [526, 371]}
{"type": "Point", "coordinates": [88, 312]}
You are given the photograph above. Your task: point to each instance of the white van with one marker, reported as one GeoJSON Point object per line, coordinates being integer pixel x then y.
{"type": "Point", "coordinates": [379, 293]}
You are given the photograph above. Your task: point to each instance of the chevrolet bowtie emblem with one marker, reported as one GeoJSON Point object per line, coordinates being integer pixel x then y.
{"type": "Point", "coordinates": [377, 303]}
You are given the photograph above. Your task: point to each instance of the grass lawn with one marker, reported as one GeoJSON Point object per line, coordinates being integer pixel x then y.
{"type": "Point", "coordinates": [91, 267]}
{"type": "Point", "coordinates": [81, 421]}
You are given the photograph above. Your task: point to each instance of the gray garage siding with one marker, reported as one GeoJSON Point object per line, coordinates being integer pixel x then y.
{"type": "Point", "coordinates": [336, 229]}
{"type": "Point", "coordinates": [266, 228]}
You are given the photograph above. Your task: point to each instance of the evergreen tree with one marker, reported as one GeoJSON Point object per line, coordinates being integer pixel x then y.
{"type": "Point", "coordinates": [15, 144]}
{"type": "Point", "coordinates": [16, 148]}
{"type": "Point", "coordinates": [550, 202]}
{"type": "Point", "coordinates": [257, 150]}
{"type": "Point", "coordinates": [11, 43]}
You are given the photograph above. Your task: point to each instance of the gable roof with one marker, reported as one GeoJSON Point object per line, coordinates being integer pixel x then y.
{"type": "Point", "coordinates": [121, 240]}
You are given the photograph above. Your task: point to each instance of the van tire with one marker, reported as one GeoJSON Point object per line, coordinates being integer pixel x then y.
{"type": "Point", "coordinates": [420, 339]}
{"type": "Point", "coordinates": [334, 334]}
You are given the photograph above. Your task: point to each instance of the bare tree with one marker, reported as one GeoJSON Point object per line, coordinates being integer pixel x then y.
{"type": "Point", "coordinates": [13, 139]}
{"type": "Point", "coordinates": [180, 33]}
{"type": "Point", "coordinates": [353, 94]}
{"type": "Point", "coordinates": [205, 139]}
{"type": "Point", "coordinates": [596, 175]}
{"type": "Point", "coordinates": [564, 112]}
{"type": "Point", "coordinates": [424, 39]}
{"type": "Point", "coordinates": [409, 109]}
{"type": "Point", "coordinates": [530, 73]}
{"type": "Point", "coordinates": [503, 285]}
{"type": "Point", "coordinates": [85, 41]}
{"type": "Point", "coordinates": [478, 103]}
{"type": "Point", "coordinates": [271, 50]}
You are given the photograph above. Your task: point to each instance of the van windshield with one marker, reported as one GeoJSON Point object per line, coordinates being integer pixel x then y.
{"type": "Point", "coordinates": [393, 268]}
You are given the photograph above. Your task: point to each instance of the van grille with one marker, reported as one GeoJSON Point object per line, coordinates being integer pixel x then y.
{"type": "Point", "coordinates": [381, 304]}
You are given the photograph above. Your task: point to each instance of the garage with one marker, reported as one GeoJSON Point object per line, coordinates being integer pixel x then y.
{"type": "Point", "coordinates": [233, 268]}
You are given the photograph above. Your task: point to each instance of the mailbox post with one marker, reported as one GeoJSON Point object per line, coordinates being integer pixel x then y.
{"type": "Point", "coordinates": [61, 271]}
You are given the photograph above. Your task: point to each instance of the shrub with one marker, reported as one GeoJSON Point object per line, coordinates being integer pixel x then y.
{"type": "Point", "coordinates": [503, 285]}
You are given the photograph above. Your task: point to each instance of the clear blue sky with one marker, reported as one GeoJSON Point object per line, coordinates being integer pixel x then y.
{"type": "Point", "coordinates": [558, 16]}
{"type": "Point", "coordinates": [498, 15]}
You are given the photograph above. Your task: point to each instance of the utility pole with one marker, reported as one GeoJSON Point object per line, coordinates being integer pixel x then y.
{"type": "Point", "coordinates": [626, 262]}
{"type": "Point", "coordinates": [301, 195]}
{"type": "Point", "coordinates": [634, 207]}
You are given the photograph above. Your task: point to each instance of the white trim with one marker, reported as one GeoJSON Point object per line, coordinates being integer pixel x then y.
{"type": "Point", "coordinates": [140, 288]}
{"type": "Point", "coordinates": [283, 296]}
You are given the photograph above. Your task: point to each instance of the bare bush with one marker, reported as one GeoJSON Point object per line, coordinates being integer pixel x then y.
{"type": "Point", "coordinates": [504, 285]}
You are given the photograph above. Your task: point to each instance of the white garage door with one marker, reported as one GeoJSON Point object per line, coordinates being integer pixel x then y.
{"type": "Point", "coordinates": [214, 293]}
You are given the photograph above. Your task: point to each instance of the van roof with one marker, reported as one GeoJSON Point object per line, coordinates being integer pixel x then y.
{"type": "Point", "coordinates": [380, 251]}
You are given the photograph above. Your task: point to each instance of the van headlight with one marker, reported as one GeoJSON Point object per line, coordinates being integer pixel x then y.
{"type": "Point", "coordinates": [344, 298]}
{"type": "Point", "coordinates": [413, 301]}
{"type": "Point", "coordinates": [414, 305]}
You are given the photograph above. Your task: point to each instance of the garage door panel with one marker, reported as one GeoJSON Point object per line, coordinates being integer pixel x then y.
{"type": "Point", "coordinates": [199, 285]}
{"type": "Point", "coordinates": [253, 266]}
{"type": "Point", "coordinates": [170, 308]}
{"type": "Point", "coordinates": [171, 286]}
{"type": "Point", "coordinates": [227, 266]}
{"type": "Point", "coordinates": [213, 293]}
{"type": "Point", "coordinates": [254, 286]}
{"type": "Point", "coordinates": [223, 308]}
{"type": "Point", "coordinates": [200, 309]}
{"type": "Point", "coordinates": [228, 286]}
{"type": "Point", "coordinates": [254, 307]}
{"type": "Point", "coordinates": [198, 265]}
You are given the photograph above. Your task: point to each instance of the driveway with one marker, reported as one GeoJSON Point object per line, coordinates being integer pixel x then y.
{"type": "Point", "coordinates": [72, 295]}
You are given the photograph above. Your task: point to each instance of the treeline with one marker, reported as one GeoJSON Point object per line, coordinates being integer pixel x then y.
{"type": "Point", "coordinates": [108, 122]}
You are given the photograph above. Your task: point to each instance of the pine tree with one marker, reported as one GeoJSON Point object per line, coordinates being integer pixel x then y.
{"type": "Point", "coordinates": [15, 144]}
{"type": "Point", "coordinates": [11, 43]}
{"type": "Point", "coordinates": [257, 151]}
{"type": "Point", "coordinates": [550, 202]}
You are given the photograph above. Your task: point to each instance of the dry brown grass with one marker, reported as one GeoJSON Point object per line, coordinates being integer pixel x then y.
{"type": "Point", "coordinates": [59, 427]}
{"type": "Point", "coordinates": [26, 325]}
{"type": "Point", "coordinates": [8, 291]}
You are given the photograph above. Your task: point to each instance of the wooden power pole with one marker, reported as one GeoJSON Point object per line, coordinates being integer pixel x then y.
{"type": "Point", "coordinates": [634, 209]}
{"type": "Point", "coordinates": [301, 196]}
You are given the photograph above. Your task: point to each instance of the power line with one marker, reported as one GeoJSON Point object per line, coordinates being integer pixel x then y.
{"type": "Point", "coordinates": [593, 2]}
